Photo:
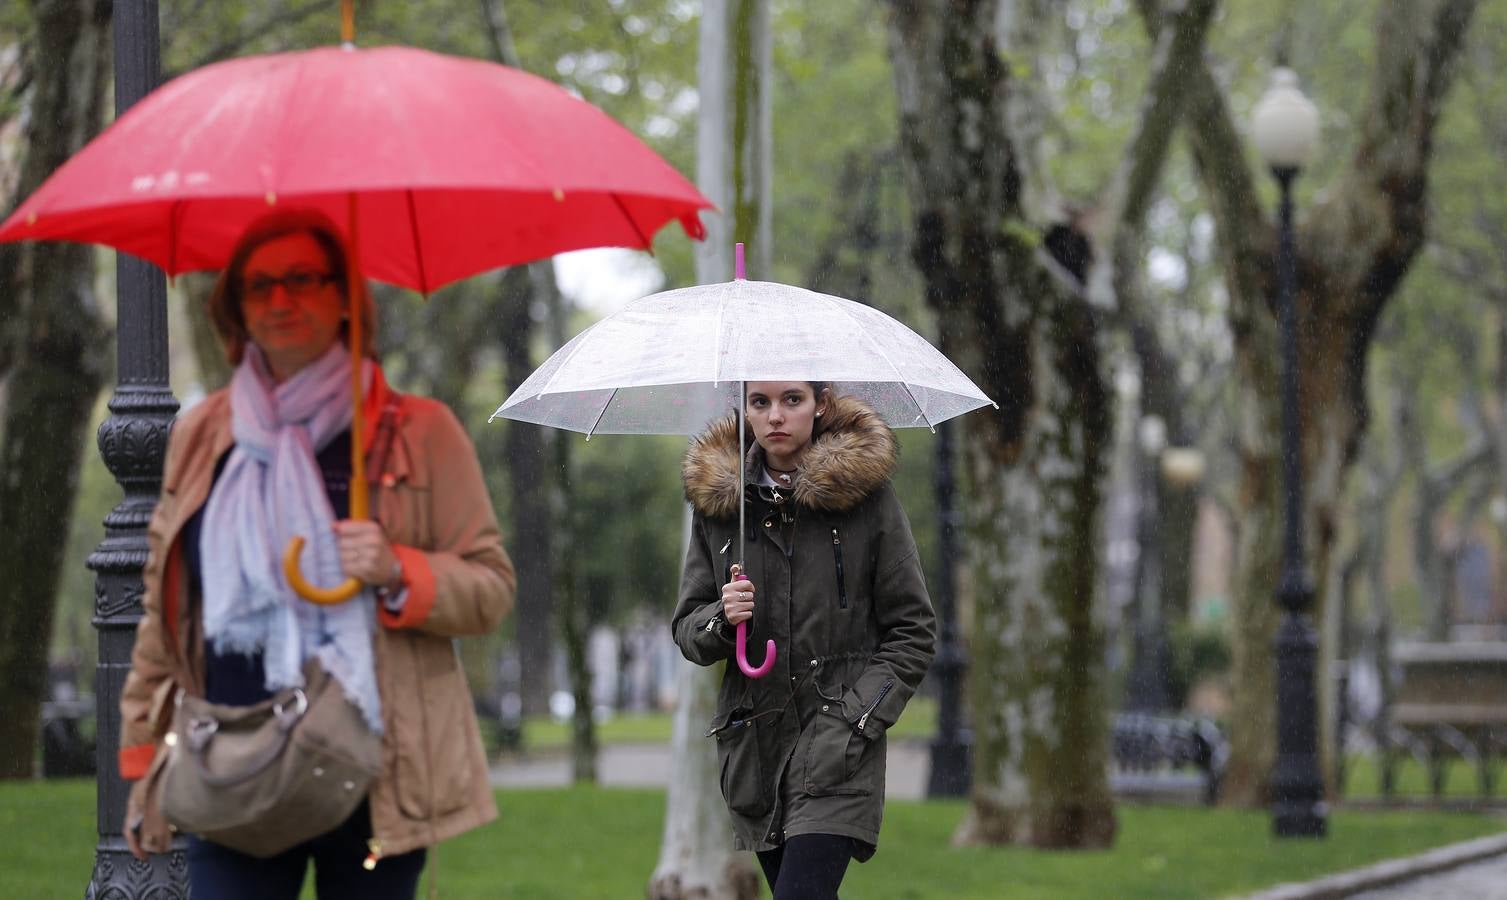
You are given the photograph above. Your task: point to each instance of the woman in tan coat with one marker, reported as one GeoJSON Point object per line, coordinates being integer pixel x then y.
{"type": "Point", "coordinates": [269, 456]}
{"type": "Point", "coordinates": [833, 578]}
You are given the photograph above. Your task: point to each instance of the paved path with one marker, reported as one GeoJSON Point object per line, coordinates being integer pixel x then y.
{"type": "Point", "coordinates": [648, 765]}
{"type": "Point", "coordinates": [1483, 881]}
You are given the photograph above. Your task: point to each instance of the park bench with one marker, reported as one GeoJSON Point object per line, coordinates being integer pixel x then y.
{"type": "Point", "coordinates": [1449, 701]}
{"type": "Point", "coordinates": [66, 753]}
{"type": "Point", "coordinates": [1161, 756]}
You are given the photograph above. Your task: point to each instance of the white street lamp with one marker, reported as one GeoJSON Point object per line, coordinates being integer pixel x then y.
{"type": "Point", "coordinates": [1285, 124]}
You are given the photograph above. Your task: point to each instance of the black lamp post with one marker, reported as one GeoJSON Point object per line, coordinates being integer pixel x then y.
{"type": "Point", "coordinates": [1285, 128]}
{"type": "Point", "coordinates": [950, 765]}
{"type": "Point", "coordinates": [132, 441]}
{"type": "Point", "coordinates": [1146, 686]}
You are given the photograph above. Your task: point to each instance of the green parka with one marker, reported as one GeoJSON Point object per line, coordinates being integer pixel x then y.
{"type": "Point", "coordinates": [839, 589]}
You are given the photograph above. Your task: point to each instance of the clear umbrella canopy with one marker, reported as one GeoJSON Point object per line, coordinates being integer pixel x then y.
{"type": "Point", "coordinates": [672, 362]}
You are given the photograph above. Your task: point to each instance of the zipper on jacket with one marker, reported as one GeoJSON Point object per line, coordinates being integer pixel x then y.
{"type": "Point", "coordinates": [878, 698]}
{"type": "Point", "coordinates": [375, 847]}
{"type": "Point", "coordinates": [842, 587]}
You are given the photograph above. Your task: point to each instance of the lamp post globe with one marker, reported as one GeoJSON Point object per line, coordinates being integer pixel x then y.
{"type": "Point", "coordinates": [1285, 123]}
{"type": "Point", "coordinates": [1285, 129]}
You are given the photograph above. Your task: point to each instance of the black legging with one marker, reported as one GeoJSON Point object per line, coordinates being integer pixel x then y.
{"type": "Point", "coordinates": [807, 866]}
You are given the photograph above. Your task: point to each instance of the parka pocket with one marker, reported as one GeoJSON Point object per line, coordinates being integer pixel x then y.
{"type": "Point", "coordinates": [834, 756]}
{"type": "Point", "coordinates": [744, 786]}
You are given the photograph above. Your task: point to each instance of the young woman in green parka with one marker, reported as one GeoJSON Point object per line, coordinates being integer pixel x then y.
{"type": "Point", "coordinates": [832, 576]}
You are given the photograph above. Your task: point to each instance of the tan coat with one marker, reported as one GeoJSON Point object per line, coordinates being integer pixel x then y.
{"type": "Point", "coordinates": [432, 501]}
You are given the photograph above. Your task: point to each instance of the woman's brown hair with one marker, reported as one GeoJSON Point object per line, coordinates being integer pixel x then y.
{"type": "Point", "coordinates": [225, 300]}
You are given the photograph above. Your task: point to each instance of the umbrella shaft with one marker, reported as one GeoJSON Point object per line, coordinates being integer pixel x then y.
{"type": "Point", "coordinates": [353, 324]}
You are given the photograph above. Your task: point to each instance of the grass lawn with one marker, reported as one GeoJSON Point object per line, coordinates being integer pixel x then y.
{"type": "Point", "coordinates": [589, 843]}
{"type": "Point", "coordinates": [543, 734]}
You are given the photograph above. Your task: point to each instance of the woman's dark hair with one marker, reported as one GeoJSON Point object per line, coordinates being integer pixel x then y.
{"type": "Point", "coordinates": [225, 301]}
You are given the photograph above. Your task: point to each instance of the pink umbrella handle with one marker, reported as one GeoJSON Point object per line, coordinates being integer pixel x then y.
{"type": "Point", "coordinates": [769, 653]}
{"type": "Point", "coordinates": [741, 650]}
{"type": "Point", "coordinates": [738, 266]}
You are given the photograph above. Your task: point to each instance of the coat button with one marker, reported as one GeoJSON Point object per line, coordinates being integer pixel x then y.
{"type": "Point", "coordinates": [768, 523]}
{"type": "Point", "coordinates": [824, 707]}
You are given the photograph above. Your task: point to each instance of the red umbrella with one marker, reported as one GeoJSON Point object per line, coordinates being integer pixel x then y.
{"type": "Point", "coordinates": [460, 165]}
{"type": "Point", "coordinates": [443, 167]}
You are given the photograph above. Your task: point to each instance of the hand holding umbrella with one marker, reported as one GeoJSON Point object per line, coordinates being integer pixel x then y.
{"type": "Point", "coordinates": [738, 601]}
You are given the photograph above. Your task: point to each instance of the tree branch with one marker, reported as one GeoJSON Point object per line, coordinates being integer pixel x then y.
{"type": "Point", "coordinates": [500, 32]}
{"type": "Point", "coordinates": [1380, 208]}
{"type": "Point", "coordinates": [1179, 47]}
{"type": "Point", "coordinates": [239, 40]}
{"type": "Point", "coordinates": [1219, 159]}
{"type": "Point", "coordinates": [1176, 61]}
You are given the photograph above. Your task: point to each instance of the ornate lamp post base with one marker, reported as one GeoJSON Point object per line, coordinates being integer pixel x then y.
{"type": "Point", "coordinates": [1298, 807]}
{"type": "Point", "coordinates": [120, 876]}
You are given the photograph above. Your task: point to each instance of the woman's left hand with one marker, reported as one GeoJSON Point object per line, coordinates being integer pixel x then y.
{"type": "Point", "coordinates": [365, 553]}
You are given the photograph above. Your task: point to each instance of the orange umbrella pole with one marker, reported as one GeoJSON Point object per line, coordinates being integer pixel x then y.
{"type": "Point", "coordinates": [347, 21]}
{"type": "Point", "coordinates": [358, 489]}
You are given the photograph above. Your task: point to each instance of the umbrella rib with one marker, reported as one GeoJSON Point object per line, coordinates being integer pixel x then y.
{"type": "Point", "coordinates": [418, 251]}
{"type": "Point", "coordinates": [564, 363]}
{"type": "Point", "coordinates": [717, 350]}
{"type": "Point", "coordinates": [603, 412]}
{"type": "Point", "coordinates": [643, 238]}
{"type": "Point", "coordinates": [899, 376]}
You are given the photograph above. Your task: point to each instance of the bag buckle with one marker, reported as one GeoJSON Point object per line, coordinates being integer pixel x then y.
{"type": "Point", "coordinates": [200, 730]}
{"type": "Point", "coordinates": [288, 718]}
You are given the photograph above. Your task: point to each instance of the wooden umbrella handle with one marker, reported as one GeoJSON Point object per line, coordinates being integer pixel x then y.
{"type": "Point", "coordinates": [359, 506]}
{"type": "Point", "coordinates": [310, 592]}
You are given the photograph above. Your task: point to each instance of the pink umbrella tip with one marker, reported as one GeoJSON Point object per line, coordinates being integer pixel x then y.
{"type": "Point", "coordinates": [738, 266]}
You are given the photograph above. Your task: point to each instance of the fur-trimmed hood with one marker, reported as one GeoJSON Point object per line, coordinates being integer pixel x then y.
{"type": "Point", "coordinates": [854, 454]}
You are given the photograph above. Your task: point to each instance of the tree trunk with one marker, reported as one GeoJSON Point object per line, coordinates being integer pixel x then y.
{"type": "Point", "coordinates": [527, 445]}
{"type": "Point", "coordinates": [56, 374]}
{"type": "Point", "coordinates": [575, 619]}
{"type": "Point", "coordinates": [1021, 324]}
{"type": "Point", "coordinates": [528, 475]}
{"type": "Point", "coordinates": [1353, 252]}
{"type": "Point", "coordinates": [733, 170]}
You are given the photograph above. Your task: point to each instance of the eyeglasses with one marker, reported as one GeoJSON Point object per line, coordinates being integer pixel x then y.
{"type": "Point", "coordinates": [297, 284]}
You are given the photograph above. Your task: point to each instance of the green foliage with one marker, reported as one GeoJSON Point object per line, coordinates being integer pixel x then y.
{"type": "Point", "coordinates": [535, 849]}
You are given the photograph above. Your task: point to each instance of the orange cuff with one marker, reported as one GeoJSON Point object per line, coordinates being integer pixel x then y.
{"type": "Point", "coordinates": [419, 579]}
{"type": "Point", "coordinates": [134, 761]}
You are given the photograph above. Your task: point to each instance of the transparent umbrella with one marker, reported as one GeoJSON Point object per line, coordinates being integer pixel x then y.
{"type": "Point", "coordinates": [672, 362]}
